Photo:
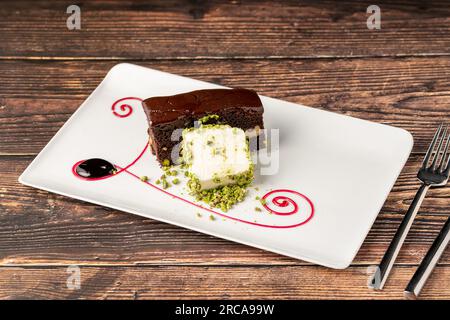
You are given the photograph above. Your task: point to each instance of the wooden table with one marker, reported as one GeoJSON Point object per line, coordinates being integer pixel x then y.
{"type": "Point", "coordinates": [317, 54]}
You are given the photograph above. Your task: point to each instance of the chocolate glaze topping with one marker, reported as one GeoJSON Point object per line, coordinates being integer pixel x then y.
{"type": "Point", "coordinates": [196, 103]}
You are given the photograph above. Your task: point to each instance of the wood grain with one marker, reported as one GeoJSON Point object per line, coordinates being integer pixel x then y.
{"type": "Point", "coordinates": [315, 53]}
{"type": "Point", "coordinates": [37, 227]}
{"type": "Point", "coordinates": [36, 98]}
{"type": "Point", "coordinates": [221, 282]}
{"type": "Point", "coordinates": [223, 29]}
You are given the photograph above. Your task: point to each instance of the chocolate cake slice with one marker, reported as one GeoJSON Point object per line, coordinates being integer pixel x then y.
{"type": "Point", "coordinates": [240, 108]}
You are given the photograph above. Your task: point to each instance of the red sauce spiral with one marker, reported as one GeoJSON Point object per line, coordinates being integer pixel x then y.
{"type": "Point", "coordinates": [273, 202]}
{"type": "Point", "coordinates": [123, 110]}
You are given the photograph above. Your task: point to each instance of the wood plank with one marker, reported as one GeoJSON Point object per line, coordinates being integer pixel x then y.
{"type": "Point", "coordinates": [223, 29]}
{"type": "Point", "coordinates": [36, 98]}
{"type": "Point", "coordinates": [37, 227]}
{"type": "Point", "coordinates": [282, 282]}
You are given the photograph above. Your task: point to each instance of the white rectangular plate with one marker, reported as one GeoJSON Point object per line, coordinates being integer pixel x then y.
{"type": "Point", "coordinates": [334, 173]}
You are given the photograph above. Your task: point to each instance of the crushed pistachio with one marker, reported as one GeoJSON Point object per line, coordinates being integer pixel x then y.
{"type": "Point", "coordinates": [163, 180]}
{"type": "Point", "coordinates": [165, 184]}
{"type": "Point", "coordinates": [166, 162]}
{"type": "Point", "coordinates": [223, 197]}
{"type": "Point", "coordinates": [144, 178]}
{"type": "Point", "coordinates": [218, 152]}
{"type": "Point", "coordinates": [212, 218]}
{"type": "Point", "coordinates": [258, 209]}
{"type": "Point", "coordinates": [257, 198]}
{"type": "Point", "coordinates": [176, 181]}
{"type": "Point", "coordinates": [208, 118]}
{"type": "Point", "coordinates": [199, 214]}
{"type": "Point", "coordinates": [263, 202]}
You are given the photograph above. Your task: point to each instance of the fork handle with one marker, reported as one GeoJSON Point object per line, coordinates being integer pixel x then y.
{"type": "Point", "coordinates": [428, 263]}
{"type": "Point", "coordinates": [382, 272]}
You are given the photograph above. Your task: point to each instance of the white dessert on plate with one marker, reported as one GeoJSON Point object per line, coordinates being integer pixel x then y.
{"type": "Point", "coordinates": [218, 164]}
{"type": "Point", "coordinates": [216, 155]}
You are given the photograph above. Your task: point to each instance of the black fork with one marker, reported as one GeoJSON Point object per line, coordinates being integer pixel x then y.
{"type": "Point", "coordinates": [433, 173]}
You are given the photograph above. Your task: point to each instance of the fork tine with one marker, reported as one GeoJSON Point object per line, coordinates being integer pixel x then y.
{"type": "Point", "coordinates": [431, 147]}
{"type": "Point", "coordinates": [438, 150]}
{"type": "Point", "coordinates": [446, 166]}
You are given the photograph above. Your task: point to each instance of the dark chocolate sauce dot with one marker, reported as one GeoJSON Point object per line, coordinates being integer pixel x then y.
{"type": "Point", "coordinates": [95, 168]}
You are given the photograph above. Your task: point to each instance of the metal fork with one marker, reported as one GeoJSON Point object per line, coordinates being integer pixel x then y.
{"type": "Point", "coordinates": [432, 175]}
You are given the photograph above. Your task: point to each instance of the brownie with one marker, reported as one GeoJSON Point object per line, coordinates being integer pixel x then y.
{"type": "Point", "coordinates": [240, 108]}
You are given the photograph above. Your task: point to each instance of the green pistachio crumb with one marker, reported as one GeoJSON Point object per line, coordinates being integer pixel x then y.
{"type": "Point", "coordinates": [186, 174]}
{"type": "Point", "coordinates": [257, 198]}
{"type": "Point", "coordinates": [208, 118]}
{"type": "Point", "coordinates": [199, 214]}
{"type": "Point", "coordinates": [263, 202]}
{"type": "Point", "coordinates": [144, 178]}
{"type": "Point", "coordinates": [212, 218]}
{"type": "Point", "coordinates": [165, 184]}
{"type": "Point", "coordinates": [176, 181]}
{"type": "Point", "coordinates": [258, 209]}
{"type": "Point", "coordinates": [158, 181]}
{"type": "Point", "coordinates": [166, 163]}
